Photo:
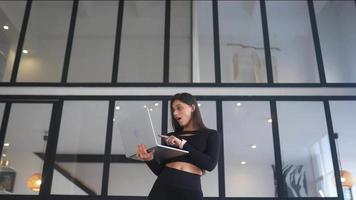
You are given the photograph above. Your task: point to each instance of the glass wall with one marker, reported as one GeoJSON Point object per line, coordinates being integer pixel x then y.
{"type": "Point", "coordinates": [337, 28]}
{"type": "Point", "coordinates": [142, 41]}
{"type": "Point", "coordinates": [343, 117]}
{"type": "Point", "coordinates": [45, 42]}
{"type": "Point", "coordinates": [291, 42]}
{"type": "Point", "coordinates": [241, 42]}
{"type": "Point", "coordinates": [248, 149]}
{"type": "Point", "coordinates": [306, 156]}
{"type": "Point", "coordinates": [24, 146]}
{"type": "Point", "coordinates": [82, 135]}
{"type": "Point", "coordinates": [11, 14]}
{"type": "Point", "coordinates": [94, 42]}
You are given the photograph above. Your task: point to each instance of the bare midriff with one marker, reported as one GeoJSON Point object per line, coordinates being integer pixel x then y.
{"type": "Point", "coordinates": [184, 166]}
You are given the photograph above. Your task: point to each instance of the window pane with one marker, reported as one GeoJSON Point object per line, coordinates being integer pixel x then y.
{"type": "Point", "coordinates": [129, 118]}
{"type": "Point", "coordinates": [180, 53]}
{"type": "Point", "coordinates": [191, 42]}
{"type": "Point", "coordinates": [248, 147]}
{"type": "Point", "coordinates": [306, 155]}
{"type": "Point", "coordinates": [291, 41]}
{"type": "Point", "coordinates": [45, 42]}
{"type": "Point", "coordinates": [241, 42]}
{"type": "Point", "coordinates": [343, 117]}
{"type": "Point", "coordinates": [337, 33]}
{"type": "Point", "coordinates": [142, 41]}
{"type": "Point", "coordinates": [94, 41]}
{"type": "Point", "coordinates": [11, 14]}
{"type": "Point", "coordinates": [82, 135]}
{"type": "Point", "coordinates": [23, 146]}
{"type": "Point", "coordinates": [203, 42]}
{"type": "Point", "coordinates": [209, 180]}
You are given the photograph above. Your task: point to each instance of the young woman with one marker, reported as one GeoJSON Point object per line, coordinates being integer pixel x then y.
{"type": "Point", "coordinates": [179, 177]}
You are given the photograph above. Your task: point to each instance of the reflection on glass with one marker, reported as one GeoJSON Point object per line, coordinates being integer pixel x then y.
{"type": "Point", "coordinates": [82, 134]}
{"type": "Point", "coordinates": [11, 14]}
{"type": "Point", "coordinates": [45, 42]}
{"type": "Point", "coordinates": [248, 147]}
{"type": "Point", "coordinates": [210, 181]}
{"type": "Point", "coordinates": [306, 156]}
{"type": "Point", "coordinates": [337, 28]}
{"type": "Point", "coordinates": [93, 42]}
{"type": "Point", "coordinates": [130, 118]}
{"type": "Point", "coordinates": [142, 41]}
{"type": "Point", "coordinates": [241, 42]}
{"type": "Point", "coordinates": [343, 117]}
{"type": "Point", "coordinates": [291, 41]}
{"type": "Point", "coordinates": [24, 147]}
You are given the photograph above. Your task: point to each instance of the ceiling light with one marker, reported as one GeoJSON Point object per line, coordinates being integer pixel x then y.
{"type": "Point", "coordinates": [145, 106]}
{"type": "Point", "coordinates": [113, 119]}
{"type": "Point", "coordinates": [25, 51]}
{"type": "Point", "coordinates": [243, 163]}
{"type": "Point", "coordinates": [117, 108]}
{"type": "Point", "coordinates": [199, 104]}
{"type": "Point", "coordinates": [253, 146]}
{"type": "Point", "coordinates": [151, 109]}
{"type": "Point", "coordinates": [156, 104]}
{"type": "Point", "coordinates": [3, 155]}
{"type": "Point", "coordinates": [269, 120]}
{"type": "Point", "coordinates": [238, 104]}
{"type": "Point", "coordinates": [6, 144]}
{"type": "Point", "coordinates": [6, 27]}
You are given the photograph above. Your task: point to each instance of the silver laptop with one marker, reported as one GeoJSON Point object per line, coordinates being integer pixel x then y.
{"type": "Point", "coordinates": [144, 133]}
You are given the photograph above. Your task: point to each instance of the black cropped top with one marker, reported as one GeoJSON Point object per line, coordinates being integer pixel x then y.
{"type": "Point", "coordinates": [203, 146]}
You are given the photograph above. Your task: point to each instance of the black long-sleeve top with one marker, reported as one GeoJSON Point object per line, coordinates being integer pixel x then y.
{"type": "Point", "coordinates": [203, 146]}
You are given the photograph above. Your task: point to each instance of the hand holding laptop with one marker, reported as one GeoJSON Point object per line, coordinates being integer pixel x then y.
{"type": "Point", "coordinates": [143, 154]}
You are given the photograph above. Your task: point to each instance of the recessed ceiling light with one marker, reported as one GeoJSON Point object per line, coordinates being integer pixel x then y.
{"type": "Point", "coordinates": [238, 104]}
{"type": "Point", "coordinates": [117, 108]}
{"type": "Point", "coordinates": [243, 163]}
{"type": "Point", "coordinates": [253, 146]}
{"type": "Point", "coordinates": [269, 120]}
{"type": "Point", "coordinates": [145, 106]}
{"type": "Point", "coordinates": [151, 109]}
{"type": "Point", "coordinates": [156, 104]}
{"type": "Point", "coordinates": [7, 144]}
{"type": "Point", "coordinates": [199, 104]}
{"type": "Point", "coordinates": [6, 27]}
{"type": "Point", "coordinates": [25, 51]}
{"type": "Point", "coordinates": [113, 119]}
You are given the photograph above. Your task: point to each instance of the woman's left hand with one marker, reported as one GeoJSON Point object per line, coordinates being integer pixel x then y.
{"type": "Point", "coordinates": [172, 141]}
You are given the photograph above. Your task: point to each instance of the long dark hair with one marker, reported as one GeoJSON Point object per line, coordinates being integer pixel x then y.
{"type": "Point", "coordinates": [196, 116]}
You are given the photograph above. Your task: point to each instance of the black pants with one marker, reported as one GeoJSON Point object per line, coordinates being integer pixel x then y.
{"type": "Point", "coordinates": [173, 184]}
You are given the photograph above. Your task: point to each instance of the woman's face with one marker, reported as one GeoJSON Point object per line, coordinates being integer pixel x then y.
{"type": "Point", "coordinates": [182, 112]}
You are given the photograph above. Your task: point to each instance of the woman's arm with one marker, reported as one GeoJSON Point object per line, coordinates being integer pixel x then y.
{"type": "Point", "coordinates": [208, 159]}
{"type": "Point", "coordinates": [155, 167]}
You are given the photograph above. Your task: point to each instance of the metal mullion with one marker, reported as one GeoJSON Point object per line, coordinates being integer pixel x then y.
{"type": "Point", "coordinates": [167, 27]}
{"type": "Point", "coordinates": [49, 159]}
{"type": "Point", "coordinates": [266, 42]}
{"type": "Point", "coordinates": [318, 53]}
{"type": "Point", "coordinates": [20, 43]}
{"type": "Point", "coordinates": [108, 143]}
{"type": "Point", "coordinates": [115, 69]}
{"type": "Point", "coordinates": [4, 123]}
{"type": "Point", "coordinates": [216, 42]}
{"type": "Point", "coordinates": [69, 42]}
{"type": "Point", "coordinates": [334, 155]}
{"type": "Point", "coordinates": [277, 151]}
{"type": "Point", "coordinates": [221, 161]}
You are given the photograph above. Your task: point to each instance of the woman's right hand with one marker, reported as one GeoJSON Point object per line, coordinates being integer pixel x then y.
{"type": "Point", "coordinates": [143, 154]}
